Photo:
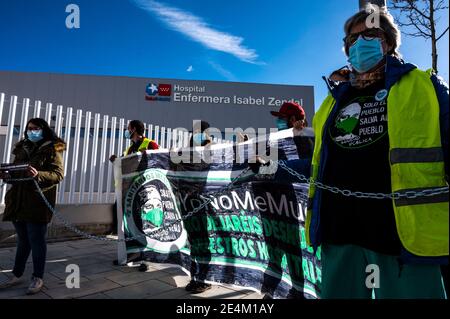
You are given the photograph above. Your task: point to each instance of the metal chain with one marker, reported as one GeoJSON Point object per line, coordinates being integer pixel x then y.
{"type": "Point", "coordinates": [68, 225]}
{"type": "Point", "coordinates": [300, 177]}
{"type": "Point", "coordinates": [348, 193]}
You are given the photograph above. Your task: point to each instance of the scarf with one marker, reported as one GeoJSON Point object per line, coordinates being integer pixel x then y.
{"type": "Point", "coordinates": [363, 80]}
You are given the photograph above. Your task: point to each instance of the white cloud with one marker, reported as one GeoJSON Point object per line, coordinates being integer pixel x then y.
{"type": "Point", "coordinates": [222, 71]}
{"type": "Point", "coordinates": [190, 68]}
{"type": "Point", "coordinates": [198, 30]}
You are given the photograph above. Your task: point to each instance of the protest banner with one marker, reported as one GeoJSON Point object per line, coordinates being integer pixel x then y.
{"type": "Point", "coordinates": [249, 235]}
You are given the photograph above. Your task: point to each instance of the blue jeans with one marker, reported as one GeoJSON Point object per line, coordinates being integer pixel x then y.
{"type": "Point", "coordinates": [31, 237]}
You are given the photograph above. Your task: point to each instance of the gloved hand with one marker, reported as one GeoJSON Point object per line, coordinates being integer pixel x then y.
{"type": "Point", "coordinates": [257, 163]}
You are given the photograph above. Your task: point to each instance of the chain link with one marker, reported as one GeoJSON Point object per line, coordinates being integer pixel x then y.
{"type": "Point", "coordinates": [349, 193]}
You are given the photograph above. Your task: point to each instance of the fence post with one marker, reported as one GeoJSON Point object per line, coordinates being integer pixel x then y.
{"type": "Point", "coordinates": [111, 152]}
{"type": "Point", "coordinates": [103, 160]}
{"type": "Point", "coordinates": [9, 138]}
{"type": "Point", "coordinates": [157, 135]}
{"type": "Point", "coordinates": [163, 137]}
{"type": "Point", "coordinates": [62, 185]}
{"type": "Point", "coordinates": [59, 120]}
{"type": "Point", "coordinates": [84, 160]}
{"type": "Point", "coordinates": [48, 113]}
{"type": "Point", "coordinates": [76, 148]}
{"type": "Point", "coordinates": [120, 139]}
{"type": "Point", "coordinates": [93, 158]}
{"type": "Point", "coordinates": [169, 138]}
{"type": "Point", "coordinates": [37, 109]}
{"type": "Point", "coordinates": [24, 116]}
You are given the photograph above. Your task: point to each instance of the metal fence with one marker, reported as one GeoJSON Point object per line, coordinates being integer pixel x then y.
{"type": "Point", "coordinates": [90, 138]}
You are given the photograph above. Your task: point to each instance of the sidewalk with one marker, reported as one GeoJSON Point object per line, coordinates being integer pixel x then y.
{"type": "Point", "coordinates": [100, 279]}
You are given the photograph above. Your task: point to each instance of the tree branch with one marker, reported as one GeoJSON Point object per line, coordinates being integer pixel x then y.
{"type": "Point", "coordinates": [413, 7]}
{"type": "Point", "coordinates": [443, 33]}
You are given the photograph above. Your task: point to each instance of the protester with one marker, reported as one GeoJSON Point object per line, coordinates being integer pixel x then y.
{"type": "Point", "coordinates": [42, 150]}
{"type": "Point", "coordinates": [290, 116]}
{"type": "Point", "coordinates": [139, 143]}
{"type": "Point", "coordinates": [199, 137]}
{"type": "Point", "coordinates": [383, 128]}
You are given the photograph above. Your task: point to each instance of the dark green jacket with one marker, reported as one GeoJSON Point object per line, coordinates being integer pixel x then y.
{"type": "Point", "coordinates": [22, 201]}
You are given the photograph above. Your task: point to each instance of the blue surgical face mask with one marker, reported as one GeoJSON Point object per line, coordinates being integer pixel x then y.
{"type": "Point", "coordinates": [128, 134]}
{"type": "Point", "coordinates": [198, 138]}
{"type": "Point", "coordinates": [34, 135]}
{"type": "Point", "coordinates": [365, 54]}
{"type": "Point", "coordinates": [282, 124]}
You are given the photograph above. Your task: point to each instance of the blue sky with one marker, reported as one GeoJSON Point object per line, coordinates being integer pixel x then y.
{"type": "Point", "coordinates": [287, 42]}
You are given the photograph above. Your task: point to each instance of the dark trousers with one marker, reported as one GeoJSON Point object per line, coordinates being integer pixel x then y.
{"type": "Point", "coordinates": [31, 238]}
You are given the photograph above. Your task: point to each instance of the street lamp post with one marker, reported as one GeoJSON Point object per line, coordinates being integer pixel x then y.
{"type": "Point", "coordinates": [380, 3]}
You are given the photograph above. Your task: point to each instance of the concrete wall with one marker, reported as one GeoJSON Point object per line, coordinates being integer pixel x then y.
{"type": "Point", "coordinates": [93, 219]}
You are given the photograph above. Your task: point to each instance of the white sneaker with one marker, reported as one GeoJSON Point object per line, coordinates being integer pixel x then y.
{"type": "Point", "coordinates": [35, 286]}
{"type": "Point", "coordinates": [10, 282]}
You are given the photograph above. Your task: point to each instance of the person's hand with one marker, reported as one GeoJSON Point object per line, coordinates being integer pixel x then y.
{"type": "Point", "coordinates": [32, 172]}
{"type": "Point", "coordinates": [298, 127]}
{"type": "Point", "coordinates": [242, 137]}
{"type": "Point", "coordinates": [255, 163]}
{"type": "Point", "coordinates": [112, 158]}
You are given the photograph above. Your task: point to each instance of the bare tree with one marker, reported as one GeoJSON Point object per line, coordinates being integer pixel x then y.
{"type": "Point", "coordinates": [419, 18]}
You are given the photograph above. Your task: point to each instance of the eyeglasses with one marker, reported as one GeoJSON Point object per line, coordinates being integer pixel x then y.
{"type": "Point", "coordinates": [367, 34]}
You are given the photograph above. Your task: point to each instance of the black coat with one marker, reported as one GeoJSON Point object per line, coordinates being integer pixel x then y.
{"type": "Point", "coordinates": [22, 201]}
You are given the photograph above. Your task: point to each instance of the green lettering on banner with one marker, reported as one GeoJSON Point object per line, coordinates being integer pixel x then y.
{"type": "Point", "coordinates": [283, 259]}
{"type": "Point", "coordinates": [303, 241]}
{"type": "Point", "coordinates": [230, 226]}
{"type": "Point", "coordinates": [243, 249]}
{"type": "Point", "coordinates": [244, 223]}
{"type": "Point", "coordinates": [234, 247]}
{"type": "Point", "coordinates": [319, 253]}
{"type": "Point", "coordinates": [220, 248]}
{"type": "Point", "coordinates": [311, 272]}
{"type": "Point", "coordinates": [306, 269]}
{"type": "Point", "coordinates": [318, 273]}
{"type": "Point", "coordinates": [251, 247]}
{"type": "Point", "coordinates": [236, 223]}
{"type": "Point", "coordinates": [211, 224]}
{"type": "Point", "coordinates": [212, 244]}
{"type": "Point", "coordinates": [263, 251]}
{"type": "Point", "coordinates": [256, 223]}
{"type": "Point", "coordinates": [267, 227]}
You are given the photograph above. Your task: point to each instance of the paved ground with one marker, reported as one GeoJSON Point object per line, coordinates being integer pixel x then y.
{"type": "Point", "coordinates": [100, 279]}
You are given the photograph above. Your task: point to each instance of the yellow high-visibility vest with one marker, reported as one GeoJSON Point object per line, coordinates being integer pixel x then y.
{"type": "Point", "coordinates": [142, 148]}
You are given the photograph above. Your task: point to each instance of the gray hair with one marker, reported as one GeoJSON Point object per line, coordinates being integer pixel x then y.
{"type": "Point", "coordinates": [386, 23]}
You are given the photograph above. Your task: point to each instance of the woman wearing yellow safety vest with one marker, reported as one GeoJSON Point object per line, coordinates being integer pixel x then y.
{"type": "Point", "coordinates": [383, 129]}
